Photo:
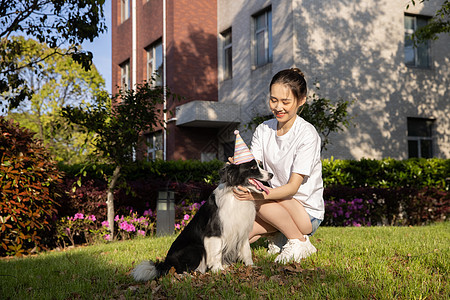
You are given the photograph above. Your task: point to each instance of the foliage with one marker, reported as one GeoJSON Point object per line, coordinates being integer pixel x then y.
{"type": "Point", "coordinates": [29, 194]}
{"type": "Point", "coordinates": [172, 170]}
{"type": "Point", "coordinates": [184, 212]}
{"type": "Point", "coordinates": [81, 228]}
{"type": "Point", "coordinates": [440, 23]}
{"type": "Point", "coordinates": [59, 81]}
{"type": "Point", "coordinates": [364, 206]}
{"type": "Point", "coordinates": [387, 173]}
{"type": "Point", "coordinates": [117, 124]}
{"type": "Point", "coordinates": [52, 22]}
{"type": "Point", "coordinates": [326, 115]}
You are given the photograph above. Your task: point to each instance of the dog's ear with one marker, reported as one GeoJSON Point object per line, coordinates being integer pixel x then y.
{"type": "Point", "coordinates": [228, 174]}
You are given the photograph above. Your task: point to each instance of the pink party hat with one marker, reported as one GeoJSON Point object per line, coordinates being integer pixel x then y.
{"type": "Point", "coordinates": [241, 152]}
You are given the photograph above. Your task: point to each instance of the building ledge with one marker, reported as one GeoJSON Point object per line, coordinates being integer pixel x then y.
{"type": "Point", "coordinates": [207, 114]}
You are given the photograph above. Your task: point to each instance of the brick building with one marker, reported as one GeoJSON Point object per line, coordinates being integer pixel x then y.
{"type": "Point", "coordinates": [222, 54]}
{"type": "Point", "coordinates": [191, 64]}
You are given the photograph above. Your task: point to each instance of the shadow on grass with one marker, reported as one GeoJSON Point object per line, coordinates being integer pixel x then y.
{"type": "Point", "coordinates": [65, 275]}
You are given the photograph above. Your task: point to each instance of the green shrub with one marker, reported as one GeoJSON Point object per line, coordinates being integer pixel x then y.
{"type": "Point", "coordinates": [175, 171]}
{"type": "Point", "coordinates": [28, 181]}
{"type": "Point", "coordinates": [387, 173]}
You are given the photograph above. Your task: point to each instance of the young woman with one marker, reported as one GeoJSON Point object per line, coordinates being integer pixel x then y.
{"type": "Point", "coordinates": [288, 147]}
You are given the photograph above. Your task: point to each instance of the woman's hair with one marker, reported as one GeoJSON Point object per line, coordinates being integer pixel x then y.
{"type": "Point", "coordinates": [294, 79]}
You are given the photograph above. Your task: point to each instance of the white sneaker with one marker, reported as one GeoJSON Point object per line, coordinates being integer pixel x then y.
{"type": "Point", "coordinates": [276, 243]}
{"type": "Point", "coordinates": [295, 250]}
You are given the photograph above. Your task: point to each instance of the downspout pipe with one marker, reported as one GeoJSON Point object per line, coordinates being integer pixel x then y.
{"type": "Point", "coordinates": [164, 46]}
{"type": "Point", "coordinates": [134, 44]}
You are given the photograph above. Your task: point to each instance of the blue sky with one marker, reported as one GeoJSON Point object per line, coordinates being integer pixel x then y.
{"type": "Point", "coordinates": [101, 48]}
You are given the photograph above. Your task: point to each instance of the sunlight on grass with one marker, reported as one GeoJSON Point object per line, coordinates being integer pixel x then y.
{"type": "Point", "coordinates": [351, 263]}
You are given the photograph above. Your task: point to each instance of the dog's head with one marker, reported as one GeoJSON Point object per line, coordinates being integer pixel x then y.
{"type": "Point", "coordinates": [248, 175]}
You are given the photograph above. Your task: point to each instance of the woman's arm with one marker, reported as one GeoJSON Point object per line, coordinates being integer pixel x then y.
{"type": "Point", "coordinates": [286, 191]}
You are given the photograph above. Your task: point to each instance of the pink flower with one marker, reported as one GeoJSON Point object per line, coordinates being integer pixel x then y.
{"type": "Point", "coordinates": [105, 224]}
{"type": "Point", "coordinates": [107, 237]}
{"type": "Point", "coordinates": [186, 217]}
{"type": "Point", "coordinates": [141, 232]}
{"type": "Point", "coordinates": [79, 216]}
{"type": "Point", "coordinates": [177, 226]}
{"type": "Point", "coordinates": [92, 218]}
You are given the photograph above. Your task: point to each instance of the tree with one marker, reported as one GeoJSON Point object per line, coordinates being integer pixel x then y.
{"type": "Point", "coordinates": [327, 116]}
{"type": "Point", "coordinates": [440, 23]}
{"type": "Point", "coordinates": [57, 23]}
{"type": "Point", "coordinates": [117, 124]}
{"type": "Point", "coordinates": [57, 82]}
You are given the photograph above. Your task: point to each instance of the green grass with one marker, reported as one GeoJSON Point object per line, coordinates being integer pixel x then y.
{"type": "Point", "coordinates": [352, 263]}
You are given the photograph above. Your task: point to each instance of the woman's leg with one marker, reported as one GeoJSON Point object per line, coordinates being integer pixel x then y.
{"type": "Point", "coordinates": [282, 216]}
{"type": "Point", "coordinates": [298, 214]}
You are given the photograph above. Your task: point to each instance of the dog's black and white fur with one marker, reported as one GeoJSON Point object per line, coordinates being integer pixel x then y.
{"type": "Point", "coordinates": [218, 234]}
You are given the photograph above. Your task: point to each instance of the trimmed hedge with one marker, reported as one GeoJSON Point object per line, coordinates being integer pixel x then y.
{"type": "Point", "coordinates": [387, 173]}
{"type": "Point", "coordinates": [365, 192]}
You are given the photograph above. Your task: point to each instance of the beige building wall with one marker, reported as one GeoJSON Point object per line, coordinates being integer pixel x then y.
{"type": "Point", "coordinates": [355, 50]}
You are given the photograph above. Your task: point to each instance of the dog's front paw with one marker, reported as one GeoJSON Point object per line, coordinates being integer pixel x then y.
{"type": "Point", "coordinates": [217, 268]}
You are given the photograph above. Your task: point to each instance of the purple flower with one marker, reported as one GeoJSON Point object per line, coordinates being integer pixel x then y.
{"type": "Point", "coordinates": [148, 213]}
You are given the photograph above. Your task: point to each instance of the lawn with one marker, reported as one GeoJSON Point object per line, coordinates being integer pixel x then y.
{"type": "Point", "coordinates": [351, 263]}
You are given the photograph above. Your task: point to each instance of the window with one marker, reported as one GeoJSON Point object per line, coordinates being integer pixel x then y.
{"type": "Point", "coordinates": [155, 64]}
{"type": "Point", "coordinates": [155, 146]}
{"type": "Point", "coordinates": [263, 38]}
{"type": "Point", "coordinates": [125, 80]}
{"type": "Point", "coordinates": [124, 10]}
{"type": "Point", "coordinates": [420, 135]}
{"type": "Point", "coordinates": [227, 54]}
{"type": "Point", "coordinates": [419, 55]}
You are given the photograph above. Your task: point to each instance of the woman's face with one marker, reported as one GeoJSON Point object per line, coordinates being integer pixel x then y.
{"type": "Point", "coordinates": [283, 104]}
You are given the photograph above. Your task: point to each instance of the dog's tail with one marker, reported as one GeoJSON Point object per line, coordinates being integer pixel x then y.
{"type": "Point", "coordinates": [149, 270]}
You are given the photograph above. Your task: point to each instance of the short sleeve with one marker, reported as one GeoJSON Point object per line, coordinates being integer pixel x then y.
{"type": "Point", "coordinates": [306, 154]}
{"type": "Point", "coordinates": [256, 146]}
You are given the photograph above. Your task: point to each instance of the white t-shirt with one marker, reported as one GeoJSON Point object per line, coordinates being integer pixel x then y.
{"type": "Point", "coordinates": [297, 151]}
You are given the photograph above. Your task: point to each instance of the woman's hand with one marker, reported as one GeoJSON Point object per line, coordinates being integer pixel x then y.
{"type": "Point", "coordinates": [244, 194]}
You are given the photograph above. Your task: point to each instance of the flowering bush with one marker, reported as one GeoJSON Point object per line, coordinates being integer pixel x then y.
{"type": "Point", "coordinates": [356, 212]}
{"type": "Point", "coordinates": [80, 229]}
{"type": "Point", "coordinates": [133, 225]}
{"type": "Point", "coordinates": [184, 214]}
{"type": "Point", "coordinates": [77, 229]}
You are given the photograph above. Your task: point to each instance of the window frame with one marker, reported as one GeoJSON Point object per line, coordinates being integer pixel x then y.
{"type": "Point", "coordinates": [125, 76]}
{"type": "Point", "coordinates": [420, 139]}
{"type": "Point", "coordinates": [266, 30]}
{"type": "Point", "coordinates": [156, 140]}
{"type": "Point", "coordinates": [227, 48]}
{"type": "Point", "coordinates": [408, 32]}
{"type": "Point", "coordinates": [125, 10]}
{"type": "Point", "coordinates": [151, 71]}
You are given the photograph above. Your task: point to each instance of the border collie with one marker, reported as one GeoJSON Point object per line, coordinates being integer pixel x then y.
{"type": "Point", "coordinates": [218, 234]}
